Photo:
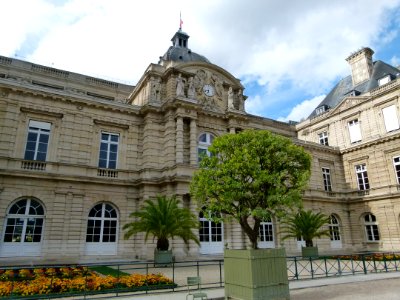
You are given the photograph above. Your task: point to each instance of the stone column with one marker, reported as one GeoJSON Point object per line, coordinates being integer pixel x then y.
{"type": "Point", "coordinates": [193, 142]}
{"type": "Point", "coordinates": [232, 130]}
{"type": "Point", "coordinates": [179, 140]}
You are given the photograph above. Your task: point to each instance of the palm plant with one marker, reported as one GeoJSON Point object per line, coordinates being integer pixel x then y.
{"type": "Point", "coordinates": [163, 219]}
{"type": "Point", "coordinates": [307, 225]}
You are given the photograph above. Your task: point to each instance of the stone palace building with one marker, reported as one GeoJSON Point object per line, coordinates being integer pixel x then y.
{"type": "Point", "coordinates": [78, 154]}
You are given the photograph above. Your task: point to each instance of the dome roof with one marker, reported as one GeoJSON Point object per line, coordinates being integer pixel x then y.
{"type": "Point", "coordinates": [179, 50]}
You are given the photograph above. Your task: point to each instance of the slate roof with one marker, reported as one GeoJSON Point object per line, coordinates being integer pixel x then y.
{"type": "Point", "coordinates": [183, 54]}
{"type": "Point", "coordinates": [179, 50]}
{"type": "Point", "coordinates": [345, 86]}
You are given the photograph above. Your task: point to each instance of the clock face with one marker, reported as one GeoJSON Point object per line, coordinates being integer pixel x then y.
{"type": "Point", "coordinates": [208, 90]}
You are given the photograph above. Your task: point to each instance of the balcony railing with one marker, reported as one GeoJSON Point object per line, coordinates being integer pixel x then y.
{"type": "Point", "coordinates": [107, 173]}
{"type": "Point", "coordinates": [33, 165]}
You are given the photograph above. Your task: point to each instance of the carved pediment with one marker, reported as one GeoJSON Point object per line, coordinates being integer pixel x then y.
{"type": "Point", "coordinates": [349, 102]}
{"type": "Point", "coordinates": [214, 90]}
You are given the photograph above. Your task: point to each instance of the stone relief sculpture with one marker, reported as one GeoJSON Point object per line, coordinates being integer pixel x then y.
{"type": "Point", "coordinates": [217, 82]}
{"type": "Point", "coordinates": [199, 80]}
{"type": "Point", "coordinates": [191, 89]}
{"type": "Point", "coordinates": [230, 98]}
{"type": "Point", "coordinates": [240, 100]}
{"type": "Point", "coordinates": [155, 89]}
{"type": "Point", "coordinates": [180, 86]}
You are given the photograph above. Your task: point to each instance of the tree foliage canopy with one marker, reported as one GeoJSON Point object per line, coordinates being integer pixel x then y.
{"type": "Point", "coordinates": [251, 176]}
{"type": "Point", "coordinates": [307, 225]}
{"type": "Point", "coordinates": [163, 219]}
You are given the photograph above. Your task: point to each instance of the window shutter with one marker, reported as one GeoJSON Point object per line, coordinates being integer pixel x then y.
{"type": "Point", "coordinates": [355, 131]}
{"type": "Point", "coordinates": [390, 118]}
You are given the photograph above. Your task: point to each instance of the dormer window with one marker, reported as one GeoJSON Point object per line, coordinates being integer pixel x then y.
{"type": "Point", "coordinates": [384, 80]}
{"type": "Point", "coordinates": [353, 93]}
{"type": "Point", "coordinates": [321, 109]}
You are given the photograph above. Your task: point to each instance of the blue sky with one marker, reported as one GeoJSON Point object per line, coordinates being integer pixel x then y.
{"type": "Point", "coordinates": [288, 54]}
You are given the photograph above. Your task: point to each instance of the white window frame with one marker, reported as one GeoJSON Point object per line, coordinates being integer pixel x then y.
{"type": "Point", "coordinates": [390, 118]}
{"type": "Point", "coordinates": [24, 246]}
{"type": "Point", "coordinates": [396, 165]}
{"type": "Point", "coordinates": [320, 110]}
{"type": "Point", "coordinates": [108, 143]}
{"type": "Point", "coordinates": [266, 234]}
{"type": "Point", "coordinates": [327, 178]}
{"type": "Point", "coordinates": [213, 244]}
{"type": "Point", "coordinates": [323, 138]}
{"type": "Point", "coordinates": [203, 144]}
{"type": "Point", "coordinates": [334, 232]}
{"type": "Point", "coordinates": [102, 247]}
{"type": "Point", "coordinates": [354, 131]}
{"type": "Point", "coordinates": [41, 129]}
{"type": "Point", "coordinates": [371, 228]}
{"type": "Point", "coordinates": [362, 177]}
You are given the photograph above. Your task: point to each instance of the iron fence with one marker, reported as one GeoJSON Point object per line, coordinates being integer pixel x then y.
{"type": "Point", "coordinates": [211, 272]}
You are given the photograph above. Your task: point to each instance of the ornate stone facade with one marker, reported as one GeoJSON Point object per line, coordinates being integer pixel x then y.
{"type": "Point", "coordinates": [79, 154]}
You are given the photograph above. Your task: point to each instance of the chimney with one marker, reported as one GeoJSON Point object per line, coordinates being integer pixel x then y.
{"type": "Point", "coordinates": [361, 65]}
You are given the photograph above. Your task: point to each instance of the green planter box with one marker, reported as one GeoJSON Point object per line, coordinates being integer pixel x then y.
{"type": "Point", "coordinates": [309, 251]}
{"type": "Point", "coordinates": [162, 258]}
{"type": "Point", "coordinates": [256, 274]}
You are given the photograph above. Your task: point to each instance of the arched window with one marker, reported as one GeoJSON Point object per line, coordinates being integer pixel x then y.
{"type": "Point", "coordinates": [266, 232]}
{"type": "Point", "coordinates": [205, 141]}
{"type": "Point", "coordinates": [24, 222]}
{"type": "Point", "coordinates": [210, 235]}
{"type": "Point", "coordinates": [102, 224]}
{"type": "Point", "coordinates": [334, 231]}
{"type": "Point", "coordinates": [334, 228]}
{"type": "Point", "coordinates": [371, 228]}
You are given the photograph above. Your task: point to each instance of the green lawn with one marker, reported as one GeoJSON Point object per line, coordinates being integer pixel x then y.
{"type": "Point", "coordinates": [104, 270]}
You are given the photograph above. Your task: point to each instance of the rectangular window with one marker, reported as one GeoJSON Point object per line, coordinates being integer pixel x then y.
{"type": "Point", "coordinates": [37, 140]}
{"type": "Point", "coordinates": [390, 118]}
{"type": "Point", "coordinates": [326, 174]}
{"type": "Point", "coordinates": [320, 110]}
{"type": "Point", "coordinates": [355, 131]}
{"type": "Point", "coordinates": [108, 150]}
{"type": "Point", "coordinates": [362, 177]}
{"type": "Point", "coordinates": [396, 163]}
{"type": "Point", "coordinates": [323, 138]}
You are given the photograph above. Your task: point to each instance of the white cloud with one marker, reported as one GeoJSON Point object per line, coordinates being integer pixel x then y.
{"type": "Point", "coordinates": [303, 110]}
{"type": "Point", "coordinates": [271, 42]}
{"type": "Point", "coordinates": [254, 104]}
{"type": "Point", "coordinates": [395, 61]}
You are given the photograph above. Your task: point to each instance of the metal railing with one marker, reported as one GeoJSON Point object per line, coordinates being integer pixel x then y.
{"type": "Point", "coordinates": [211, 272]}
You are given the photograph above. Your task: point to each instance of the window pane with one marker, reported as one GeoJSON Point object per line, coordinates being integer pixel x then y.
{"type": "Point", "coordinates": [44, 138]}
{"type": "Point", "coordinates": [41, 156]}
{"type": "Point", "coordinates": [30, 146]}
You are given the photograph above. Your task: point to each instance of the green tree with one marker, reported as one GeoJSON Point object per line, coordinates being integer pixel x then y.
{"type": "Point", "coordinates": [307, 225]}
{"type": "Point", "coordinates": [163, 219]}
{"type": "Point", "coordinates": [251, 176]}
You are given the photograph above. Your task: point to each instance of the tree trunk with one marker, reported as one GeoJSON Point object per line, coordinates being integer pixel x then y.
{"type": "Point", "coordinates": [252, 233]}
{"type": "Point", "coordinates": [162, 244]}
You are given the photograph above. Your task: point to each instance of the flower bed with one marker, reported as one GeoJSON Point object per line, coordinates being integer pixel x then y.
{"type": "Point", "coordinates": [44, 281]}
{"type": "Point", "coordinates": [369, 257]}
